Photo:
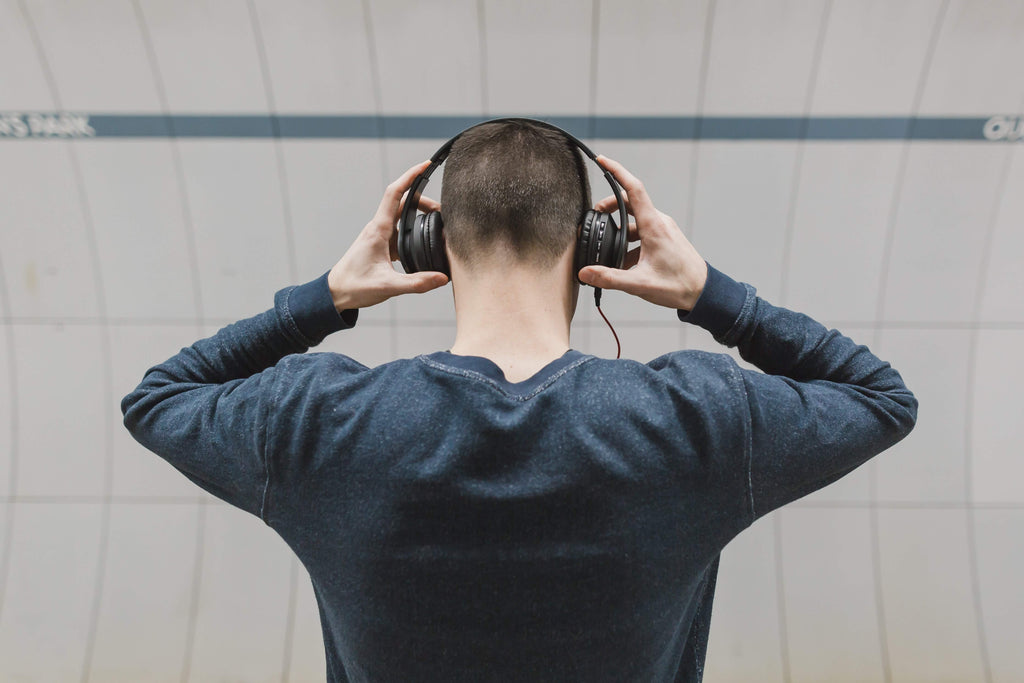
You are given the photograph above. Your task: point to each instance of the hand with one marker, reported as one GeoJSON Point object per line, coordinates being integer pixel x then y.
{"type": "Point", "coordinates": [364, 276]}
{"type": "Point", "coordinates": [665, 269]}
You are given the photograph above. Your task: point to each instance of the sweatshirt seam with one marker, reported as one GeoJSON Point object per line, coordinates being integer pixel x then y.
{"type": "Point", "coordinates": [731, 338]}
{"type": "Point", "coordinates": [747, 438]}
{"type": "Point", "coordinates": [473, 374]}
{"type": "Point", "coordinates": [274, 389]}
{"type": "Point", "coordinates": [289, 318]}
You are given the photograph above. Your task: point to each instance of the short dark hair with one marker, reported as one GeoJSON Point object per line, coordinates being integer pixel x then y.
{"type": "Point", "coordinates": [513, 184]}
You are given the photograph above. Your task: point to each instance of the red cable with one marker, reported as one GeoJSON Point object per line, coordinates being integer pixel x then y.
{"type": "Point", "coordinates": [618, 346]}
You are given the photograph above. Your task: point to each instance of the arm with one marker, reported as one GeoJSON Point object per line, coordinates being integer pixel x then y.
{"type": "Point", "coordinates": [822, 406]}
{"type": "Point", "coordinates": [208, 409]}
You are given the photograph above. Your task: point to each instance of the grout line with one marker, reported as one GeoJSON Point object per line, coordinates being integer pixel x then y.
{"type": "Point", "coordinates": [193, 603]}
{"type": "Point", "coordinates": [667, 321]}
{"type": "Point", "coordinates": [275, 126]}
{"type": "Point", "coordinates": [794, 196]}
{"type": "Point", "coordinates": [970, 396]}
{"type": "Point", "coordinates": [885, 266]}
{"type": "Point", "coordinates": [705, 59]}
{"type": "Point", "coordinates": [192, 247]}
{"type": "Point", "coordinates": [107, 389]}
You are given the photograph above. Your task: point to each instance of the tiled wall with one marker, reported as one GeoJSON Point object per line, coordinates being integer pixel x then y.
{"type": "Point", "coordinates": [116, 252]}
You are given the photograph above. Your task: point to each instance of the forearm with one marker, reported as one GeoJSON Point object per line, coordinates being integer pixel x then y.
{"type": "Point", "coordinates": [787, 343]}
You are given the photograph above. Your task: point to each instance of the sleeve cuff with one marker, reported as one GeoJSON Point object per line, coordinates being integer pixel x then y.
{"type": "Point", "coordinates": [718, 306]}
{"type": "Point", "coordinates": [312, 309]}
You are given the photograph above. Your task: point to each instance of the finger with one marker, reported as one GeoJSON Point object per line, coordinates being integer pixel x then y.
{"type": "Point", "coordinates": [607, 278]}
{"type": "Point", "coordinates": [634, 233]}
{"type": "Point", "coordinates": [609, 204]}
{"type": "Point", "coordinates": [417, 283]}
{"type": "Point", "coordinates": [427, 204]}
{"type": "Point", "coordinates": [640, 202]}
{"type": "Point", "coordinates": [632, 258]}
{"type": "Point", "coordinates": [390, 202]}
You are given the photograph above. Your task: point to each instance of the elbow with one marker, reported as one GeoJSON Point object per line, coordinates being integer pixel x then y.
{"type": "Point", "coordinates": [904, 412]}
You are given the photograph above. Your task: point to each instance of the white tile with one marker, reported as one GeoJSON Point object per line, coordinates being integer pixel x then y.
{"type": "Point", "coordinates": [872, 57]}
{"type": "Point", "coordinates": [761, 57]}
{"type": "Point", "coordinates": [538, 57]}
{"type": "Point", "coordinates": [206, 54]}
{"type": "Point", "coordinates": [1003, 280]}
{"type": "Point", "coordinates": [1000, 565]}
{"type": "Point", "coordinates": [318, 56]}
{"type": "Point", "coordinates": [428, 56]}
{"type": "Point", "coordinates": [415, 340]}
{"type": "Point", "coordinates": [741, 210]}
{"type": "Point", "coordinates": [147, 589]}
{"type": "Point", "coordinates": [62, 409]}
{"type": "Point", "coordinates": [43, 264]}
{"type": "Point", "coordinates": [25, 88]}
{"type": "Point", "coordinates": [137, 471]}
{"type": "Point", "coordinates": [926, 587]}
{"type": "Point", "coordinates": [370, 345]}
{"type": "Point", "coordinates": [928, 465]}
{"type": "Point", "coordinates": [665, 44]}
{"type": "Point", "coordinates": [839, 225]}
{"type": "Point", "coordinates": [996, 429]}
{"type": "Point", "coordinates": [241, 238]}
{"type": "Point", "coordinates": [968, 72]}
{"type": "Point", "coordinates": [141, 234]}
{"type": "Point", "coordinates": [831, 612]}
{"type": "Point", "coordinates": [334, 189]}
{"type": "Point", "coordinates": [243, 599]}
{"type": "Point", "coordinates": [308, 661]}
{"type": "Point", "coordinates": [744, 643]}
{"type": "Point", "coordinates": [96, 55]}
{"type": "Point", "coordinates": [49, 591]}
{"type": "Point", "coordinates": [947, 199]}
{"type": "Point", "coordinates": [8, 416]}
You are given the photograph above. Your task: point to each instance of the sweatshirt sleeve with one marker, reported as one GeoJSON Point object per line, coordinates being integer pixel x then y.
{"type": "Point", "coordinates": [205, 410]}
{"type": "Point", "coordinates": [823, 404]}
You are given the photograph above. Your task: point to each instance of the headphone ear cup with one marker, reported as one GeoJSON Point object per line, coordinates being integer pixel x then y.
{"type": "Point", "coordinates": [611, 250]}
{"type": "Point", "coordinates": [583, 243]}
{"type": "Point", "coordinates": [416, 245]}
{"type": "Point", "coordinates": [433, 240]}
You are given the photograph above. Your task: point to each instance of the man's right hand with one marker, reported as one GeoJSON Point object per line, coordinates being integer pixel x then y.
{"type": "Point", "coordinates": [665, 269]}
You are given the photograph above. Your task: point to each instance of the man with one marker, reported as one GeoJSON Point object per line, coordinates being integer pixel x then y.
{"type": "Point", "coordinates": [512, 509]}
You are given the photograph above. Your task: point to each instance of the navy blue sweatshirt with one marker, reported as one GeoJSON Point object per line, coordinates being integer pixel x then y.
{"type": "Point", "coordinates": [460, 527]}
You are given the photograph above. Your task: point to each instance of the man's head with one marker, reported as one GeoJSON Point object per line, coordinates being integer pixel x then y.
{"type": "Point", "coordinates": [514, 190]}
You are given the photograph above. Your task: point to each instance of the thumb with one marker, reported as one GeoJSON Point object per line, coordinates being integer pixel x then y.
{"type": "Point", "coordinates": [606, 278]}
{"type": "Point", "coordinates": [409, 283]}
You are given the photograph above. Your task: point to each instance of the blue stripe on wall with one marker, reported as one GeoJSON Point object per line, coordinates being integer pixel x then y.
{"type": "Point", "coordinates": [66, 125]}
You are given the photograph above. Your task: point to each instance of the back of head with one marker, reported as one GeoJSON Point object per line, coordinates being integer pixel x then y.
{"type": "Point", "coordinates": [514, 189]}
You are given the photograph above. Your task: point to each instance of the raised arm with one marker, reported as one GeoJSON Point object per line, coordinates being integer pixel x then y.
{"type": "Point", "coordinates": [823, 404]}
{"type": "Point", "coordinates": [209, 409]}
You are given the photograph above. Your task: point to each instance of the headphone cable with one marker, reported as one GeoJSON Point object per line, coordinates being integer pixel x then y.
{"type": "Point", "coordinates": [597, 302]}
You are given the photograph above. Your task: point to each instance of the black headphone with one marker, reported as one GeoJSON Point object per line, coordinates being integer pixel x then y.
{"type": "Point", "coordinates": [421, 242]}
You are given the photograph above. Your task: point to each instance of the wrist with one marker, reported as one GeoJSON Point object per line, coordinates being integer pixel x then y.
{"type": "Point", "coordinates": [693, 286]}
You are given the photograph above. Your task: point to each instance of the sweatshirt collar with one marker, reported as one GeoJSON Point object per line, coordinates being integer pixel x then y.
{"type": "Point", "coordinates": [490, 370]}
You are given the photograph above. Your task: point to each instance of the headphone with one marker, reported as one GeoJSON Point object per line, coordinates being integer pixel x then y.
{"type": "Point", "coordinates": [421, 241]}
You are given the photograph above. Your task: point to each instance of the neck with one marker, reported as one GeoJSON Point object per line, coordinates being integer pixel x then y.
{"type": "Point", "coordinates": [516, 317]}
